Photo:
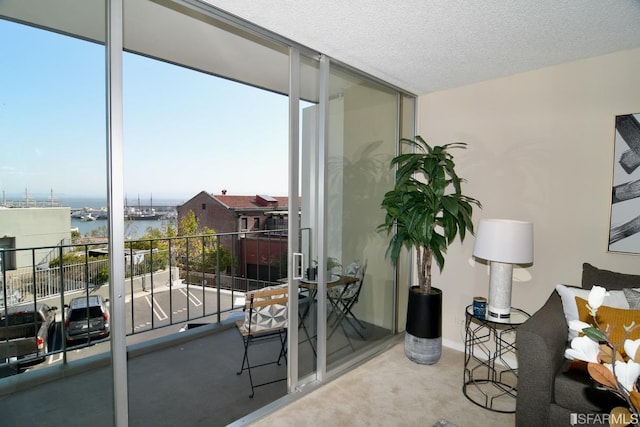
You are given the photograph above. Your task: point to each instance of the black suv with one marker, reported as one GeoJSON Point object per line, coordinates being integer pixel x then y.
{"type": "Point", "coordinates": [87, 319]}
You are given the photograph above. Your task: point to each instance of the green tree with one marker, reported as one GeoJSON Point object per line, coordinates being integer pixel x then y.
{"type": "Point", "coordinates": [152, 238]}
{"type": "Point", "coordinates": [198, 247]}
{"type": "Point", "coordinates": [101, 231]}
{"type": "Point", "coordinates": [156, 242]}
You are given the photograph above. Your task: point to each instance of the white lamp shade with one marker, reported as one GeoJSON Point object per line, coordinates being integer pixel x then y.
{"type": "Point", "coordinates": [504, 240]}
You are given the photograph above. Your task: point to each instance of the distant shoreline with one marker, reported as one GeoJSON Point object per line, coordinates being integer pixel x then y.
{"type": "Point", "coordinates": [90, 202]}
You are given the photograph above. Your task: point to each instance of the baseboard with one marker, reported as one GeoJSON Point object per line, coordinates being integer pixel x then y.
{"type": "Point", "coordinates": [455, 345]}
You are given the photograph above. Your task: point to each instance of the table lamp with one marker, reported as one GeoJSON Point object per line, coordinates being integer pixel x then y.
{"type": "Point", "coordinates": [503, 242]}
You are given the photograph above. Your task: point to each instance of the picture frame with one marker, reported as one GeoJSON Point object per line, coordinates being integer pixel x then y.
{"type": "Point", "coordinates": [624, 226]}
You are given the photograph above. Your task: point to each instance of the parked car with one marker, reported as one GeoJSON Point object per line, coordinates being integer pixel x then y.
{"type": "Point", "coordinates": [24, 332]}
{"type": "Point", "coordinates": [87, 319]}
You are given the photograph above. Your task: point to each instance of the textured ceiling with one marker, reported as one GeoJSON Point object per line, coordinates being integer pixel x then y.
{"type": "Point", "coordinates": [428, 45]}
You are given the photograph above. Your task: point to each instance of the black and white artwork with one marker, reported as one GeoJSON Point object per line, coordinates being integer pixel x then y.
{"type": "Point", "coordinates": [624, 230]}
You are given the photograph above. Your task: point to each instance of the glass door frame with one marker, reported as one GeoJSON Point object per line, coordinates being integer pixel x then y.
{"type": "Point", "coordinates": [115, 201]}
{"type": "Point", "coordinates": [296, 263]}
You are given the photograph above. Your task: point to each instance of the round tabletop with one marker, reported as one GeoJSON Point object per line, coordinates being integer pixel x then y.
{"type": "Point", "coordinates": [516, 317]}
{"type": "Point", "coordinates": [334, 278]}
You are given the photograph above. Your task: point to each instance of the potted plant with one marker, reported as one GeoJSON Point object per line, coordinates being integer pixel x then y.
{"type": "Point", "coordinates": [333, 267]}
{"type": "Point", "coordinates": [425, 211]}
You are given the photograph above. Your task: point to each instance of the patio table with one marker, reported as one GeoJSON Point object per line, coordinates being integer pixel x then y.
{"type": "Point", "coordinates": [312, 287]}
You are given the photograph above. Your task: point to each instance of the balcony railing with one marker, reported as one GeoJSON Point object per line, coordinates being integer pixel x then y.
{"type": "Point", "coordinates": [169, 281]}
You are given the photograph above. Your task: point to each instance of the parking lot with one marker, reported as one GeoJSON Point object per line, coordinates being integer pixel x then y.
{"type": "Point", "coordinates": [149, 310]}
{"type": "Point", "coordinates": [150, 314]}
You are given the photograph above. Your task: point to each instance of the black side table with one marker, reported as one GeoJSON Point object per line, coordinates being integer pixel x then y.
{"type": "Point", "coordinates": [490, 373]}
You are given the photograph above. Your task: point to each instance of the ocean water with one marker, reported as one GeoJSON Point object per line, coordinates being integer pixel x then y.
{"type": "Point", "coordinates": [133, 229]}
{"type": "Point", "coordinates": [98, 202]}
{"type": "Point", "coordinates": [75, 202]}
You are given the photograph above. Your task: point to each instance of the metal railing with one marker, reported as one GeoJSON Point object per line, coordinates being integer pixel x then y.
{"type": "Point", "coordinates": [46, 282]}
{"type": "Point", "coordinates": [169, 280]}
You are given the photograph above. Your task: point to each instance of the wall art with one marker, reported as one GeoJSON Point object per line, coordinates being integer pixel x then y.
{"type": "Point", "coordinates": [624, 229]}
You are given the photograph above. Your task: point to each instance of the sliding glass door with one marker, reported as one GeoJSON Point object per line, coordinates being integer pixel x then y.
{"type": "Point", "coordinates": [362, 138]}
{"type": "Point", "coordinates": [348, 296]}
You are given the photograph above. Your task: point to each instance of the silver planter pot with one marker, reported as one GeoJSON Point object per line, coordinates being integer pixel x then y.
{"type": "Point", "coordinates": [425, 351]}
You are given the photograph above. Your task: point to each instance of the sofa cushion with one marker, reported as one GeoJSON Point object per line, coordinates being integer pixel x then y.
{"type": "Point", "coordinates": [609, 279]}
{"type": "Point", "coordinates": [575, 390]}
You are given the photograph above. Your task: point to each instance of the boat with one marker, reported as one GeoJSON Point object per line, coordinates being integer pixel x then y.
{"type": "Point", "coordinates": [139, 214]}
{"type": "Point", "coordinates": [142, 215]}
{"type": "Point", "coordinates": [88, 217]}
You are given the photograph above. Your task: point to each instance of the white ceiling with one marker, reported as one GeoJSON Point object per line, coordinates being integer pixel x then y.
{"type": "Point", "coordinates": [429, 45]}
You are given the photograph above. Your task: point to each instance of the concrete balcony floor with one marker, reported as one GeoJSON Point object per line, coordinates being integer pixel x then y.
{"type": "Point", "coordinates": [187, 379]}
{"type": "Point", "coordinates": [189, 382]}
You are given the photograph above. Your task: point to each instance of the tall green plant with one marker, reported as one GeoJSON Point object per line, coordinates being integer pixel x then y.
{"type": "Point", "coordinates": [202, 246]}
{"type": "Point", "coordinates": [426, 209]}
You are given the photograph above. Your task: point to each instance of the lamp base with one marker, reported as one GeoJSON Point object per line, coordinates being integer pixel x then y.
{"type": "Point", "coordinates": [492, 314]}
{"type": "Point", "coordinates": [500, 274]}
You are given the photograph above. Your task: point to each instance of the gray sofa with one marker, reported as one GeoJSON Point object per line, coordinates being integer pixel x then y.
{"type": "Point", "coordinates": [548, 392]}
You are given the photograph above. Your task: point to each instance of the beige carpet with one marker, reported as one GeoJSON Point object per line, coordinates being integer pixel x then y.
{"type": "Point", "coordinates": [389, 390]}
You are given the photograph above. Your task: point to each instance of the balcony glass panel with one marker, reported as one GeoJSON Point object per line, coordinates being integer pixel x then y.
{"type": "Point", "coordinates": [205, 107]}
{"type": "Point", "coordinates": [53, 127]}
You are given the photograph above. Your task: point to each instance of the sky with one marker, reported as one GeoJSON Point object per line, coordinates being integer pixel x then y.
{"type": "Point", "coordinates": [184, 131]}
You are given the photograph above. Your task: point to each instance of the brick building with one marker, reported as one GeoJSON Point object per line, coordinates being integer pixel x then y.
{"type": "Point", "coordinates": [227, 214]}
{"type": "Point", "coordinates": [259, 255]}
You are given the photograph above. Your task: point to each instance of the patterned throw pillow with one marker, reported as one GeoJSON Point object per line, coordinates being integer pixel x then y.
{"type": "Point", "coordinates": [269, 317]}
{"type": "Point", "coordinates": [334, 292]}
{"type": "Point", "coordinates": [633, 298]}
{"type": "Point", "coordinates": [339, 292]}
{"type": "Point", "coordinates": [353, 268]}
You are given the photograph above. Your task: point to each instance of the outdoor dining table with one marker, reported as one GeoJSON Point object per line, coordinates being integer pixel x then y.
{"type": "Point", "coordinates": [312, 287]}
{"type": "Point", "coordinates": [335, 280]}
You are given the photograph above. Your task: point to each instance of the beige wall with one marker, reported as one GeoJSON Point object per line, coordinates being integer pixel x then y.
{"type": "Point", "coordinates": [540, 148]}
{"type": "Point", "coordinates": [33, 228]}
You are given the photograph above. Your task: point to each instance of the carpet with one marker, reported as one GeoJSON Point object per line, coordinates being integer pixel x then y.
{"type": "Point", "coordinates": [390, 390]}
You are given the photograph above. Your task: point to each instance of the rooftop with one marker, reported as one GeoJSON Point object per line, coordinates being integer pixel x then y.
{"type": "Point", "coordinates": [252, 202]}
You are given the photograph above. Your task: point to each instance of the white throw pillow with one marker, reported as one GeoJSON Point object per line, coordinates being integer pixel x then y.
{"type": "Point", "coordinates": [568, 295]}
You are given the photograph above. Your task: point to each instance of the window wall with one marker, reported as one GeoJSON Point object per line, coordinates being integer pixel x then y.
{"type": "Point", "coordinates": [187, 70]}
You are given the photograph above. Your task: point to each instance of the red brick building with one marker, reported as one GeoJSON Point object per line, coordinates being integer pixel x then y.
{"type": "Point", "coordinates": [228, 214]}
{"type": "Point", "coordinates": [259, 255]}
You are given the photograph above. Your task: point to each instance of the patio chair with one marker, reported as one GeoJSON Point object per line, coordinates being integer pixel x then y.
{"type": "Point", "coordinates": [265, 320]}
{"type": "Point", "coordinates": [342, 300]}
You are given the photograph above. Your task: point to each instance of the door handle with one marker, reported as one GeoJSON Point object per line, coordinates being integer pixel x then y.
{"type": "Point", "coordinates": [298, 262]}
